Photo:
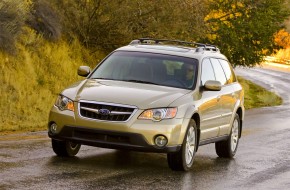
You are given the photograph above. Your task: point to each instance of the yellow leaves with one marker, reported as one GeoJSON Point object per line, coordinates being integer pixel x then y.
{"type": "Point", "coordinates": [211, 37]}
{"type": "Point", "coordinates": [225, 12]}
{"type": "Point", "coordinates": [218, 15]}
{"type": "Point", "coordinates": [257, 42]}
{"type": "Point", "coordinates": [223, 15]}
{"type": "Point", "coordinates": [214, 14]}
{"type": "Point", "coordinates": [282, 38]}
{"type": "Point", "coordinates": [237, 5]}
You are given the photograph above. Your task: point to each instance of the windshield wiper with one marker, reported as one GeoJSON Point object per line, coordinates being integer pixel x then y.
{"type": "Point", "coordinates": [101, 78]}
{"type": "Point", "coordinates": [140, 81]}
{"type": "Point", "coordinates": [131, 80]}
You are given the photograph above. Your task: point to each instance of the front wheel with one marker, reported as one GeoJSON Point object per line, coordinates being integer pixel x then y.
{"type": "Point", "coordinates": [183, 159]}
{"type": "Point", "coordinates": [65, 148]}
{"type": "Point", "coordinates": [228, 148]}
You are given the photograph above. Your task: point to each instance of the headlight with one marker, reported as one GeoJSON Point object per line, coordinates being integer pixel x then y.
{"type": "Point", "coordinates": [64, 103]}
{"type": "Point", "coordinates": [158, 114]}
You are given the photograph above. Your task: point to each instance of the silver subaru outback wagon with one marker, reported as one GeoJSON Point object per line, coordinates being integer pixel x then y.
{"type": "Point", "coordinates": [164, 96]}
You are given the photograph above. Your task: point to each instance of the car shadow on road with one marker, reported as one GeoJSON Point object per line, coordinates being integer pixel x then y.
{"type": "Point", "coordinates": [138, 170]}
{"type": "Point", "coordinates": [120, 159]}
{"type": "Point", "coordinates": [114, 159]}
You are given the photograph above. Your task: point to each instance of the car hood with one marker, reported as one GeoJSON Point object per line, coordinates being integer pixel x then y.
{"type": "Point", "coordinates": [135, 94]}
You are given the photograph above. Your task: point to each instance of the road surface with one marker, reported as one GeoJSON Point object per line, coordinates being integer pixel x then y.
{"type": "Point", "coordinates": [262, 161]}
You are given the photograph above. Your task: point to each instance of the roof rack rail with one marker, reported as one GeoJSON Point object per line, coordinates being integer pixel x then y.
{"type": "Point", "coordinates": [200, 46]}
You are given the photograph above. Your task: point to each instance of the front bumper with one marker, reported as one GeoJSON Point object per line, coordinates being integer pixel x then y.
{"type": "Point", "coordinates": [133, 134]}
{"type": "Point", "coordinates": [109, 139]}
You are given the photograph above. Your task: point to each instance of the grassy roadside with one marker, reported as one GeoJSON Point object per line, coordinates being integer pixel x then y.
{"type": "Point", "coordinates": [31, 79]}
{"type": "Point", "coordinates": [256, 96]}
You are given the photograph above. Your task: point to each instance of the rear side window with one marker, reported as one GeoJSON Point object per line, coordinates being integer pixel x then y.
{"type": "Point", "coordinates": [230, 75]}
{"type": "Point", "coordinates": [218, 70]}
{"type": "Point", "coordinates": [207, 72]}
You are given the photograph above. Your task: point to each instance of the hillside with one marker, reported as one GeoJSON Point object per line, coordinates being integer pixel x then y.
{"type": "Point", "coordinates": [32, 78]}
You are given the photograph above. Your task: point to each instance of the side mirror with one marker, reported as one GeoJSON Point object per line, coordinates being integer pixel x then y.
{"type": "Point", "coordinates": [213, 85]}
{"type": "Point", "coordinates": [84, 71]}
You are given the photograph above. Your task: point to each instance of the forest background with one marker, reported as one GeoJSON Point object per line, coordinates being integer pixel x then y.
{"type": "Point", "coordinates": [42, 43]}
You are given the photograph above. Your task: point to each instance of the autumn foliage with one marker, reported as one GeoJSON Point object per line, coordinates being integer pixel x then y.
{"type": "Point", "coordinates": [243, 29]}
{"type": "Point", "coordinates": [282, 39]}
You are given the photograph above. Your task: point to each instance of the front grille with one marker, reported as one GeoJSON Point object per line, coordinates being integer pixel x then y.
{"type": "Point", "coordinates": [106, 112]}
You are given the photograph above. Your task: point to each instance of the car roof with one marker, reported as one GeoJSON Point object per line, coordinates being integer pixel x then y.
{"type": "Point", "coordinates": [200, 52]}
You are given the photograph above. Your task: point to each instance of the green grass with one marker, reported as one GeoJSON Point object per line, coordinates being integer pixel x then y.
{"type": "Point", "coordinates": [257, 96]}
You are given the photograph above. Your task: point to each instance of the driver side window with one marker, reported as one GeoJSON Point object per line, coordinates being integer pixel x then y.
{"type": "Point", "coordinates": [207, 72]}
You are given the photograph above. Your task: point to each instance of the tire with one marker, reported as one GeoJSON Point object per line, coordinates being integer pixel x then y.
{"type": "Point", "coordinates": [228, 148]}
{"type": "Point", "coordinates": [183, 159]}
{"type": "Point", "coordinates": [65, 148]}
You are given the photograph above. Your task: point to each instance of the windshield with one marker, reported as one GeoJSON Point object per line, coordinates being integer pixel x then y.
{"type": "Point", "coordinates": [150, 68]}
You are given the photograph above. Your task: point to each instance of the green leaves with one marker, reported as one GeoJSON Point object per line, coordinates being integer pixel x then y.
{"type": "Point", "coordinates": [244, 29]}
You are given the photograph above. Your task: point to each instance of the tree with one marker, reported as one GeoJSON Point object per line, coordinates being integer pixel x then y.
{"type": "Point", "coordinates": [44, 20]}
{"type": "Point", "coordinates": [111, 24]}
{"type": "Point", "coordinates": [244, 29]}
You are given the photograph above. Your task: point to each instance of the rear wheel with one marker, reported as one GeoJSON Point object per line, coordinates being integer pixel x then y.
{"type": "Point", "coordinates": [65, 148]}
{"type": "Point", "coordinates": [183, 159]}
{"type": "Point", "coordinates": [228, 148]}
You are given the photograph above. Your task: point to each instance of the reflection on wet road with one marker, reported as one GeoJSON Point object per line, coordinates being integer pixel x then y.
{"type": "Point", "coordinates": [262, 161]}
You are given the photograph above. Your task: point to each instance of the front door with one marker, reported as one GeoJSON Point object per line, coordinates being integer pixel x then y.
{"type": "Point", "coordinates": [210, 108]}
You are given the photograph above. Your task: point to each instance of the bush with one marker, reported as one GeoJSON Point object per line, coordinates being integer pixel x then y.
{"type": "Point", "coordinates": [45, 20]}
{"type": "Point", "coordinates": [12, 18]}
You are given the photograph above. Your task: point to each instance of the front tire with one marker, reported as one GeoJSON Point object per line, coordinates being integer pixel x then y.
{"type": "Point", "coordinates": [65, 148]}
{"type": "Point", "coordinates": [228, 148]}
{"type": "Point", "coordinates": [183, 159]}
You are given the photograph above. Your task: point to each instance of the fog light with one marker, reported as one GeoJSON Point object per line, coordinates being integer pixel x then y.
{"type": "Point", "coordinates": [161, 141]}
{"type": "Point", "coordinates": [53, 128]}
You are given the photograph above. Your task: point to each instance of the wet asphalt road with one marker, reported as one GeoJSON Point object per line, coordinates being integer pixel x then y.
{"type": "Point", "coordinates": [262, 161]}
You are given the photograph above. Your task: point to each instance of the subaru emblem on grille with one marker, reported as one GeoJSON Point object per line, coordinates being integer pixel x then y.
{"type": "Point", "coordinates": [104, 112]}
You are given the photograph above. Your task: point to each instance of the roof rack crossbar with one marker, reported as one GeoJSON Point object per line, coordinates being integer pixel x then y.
{"type": "Point", "coordinates": [208, 47]}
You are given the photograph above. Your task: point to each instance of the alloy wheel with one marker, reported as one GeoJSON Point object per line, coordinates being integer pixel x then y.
{"type": "Point", "coordinates": [235, 135]}
{"type": "Point", "coordinates": [190, 145]}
